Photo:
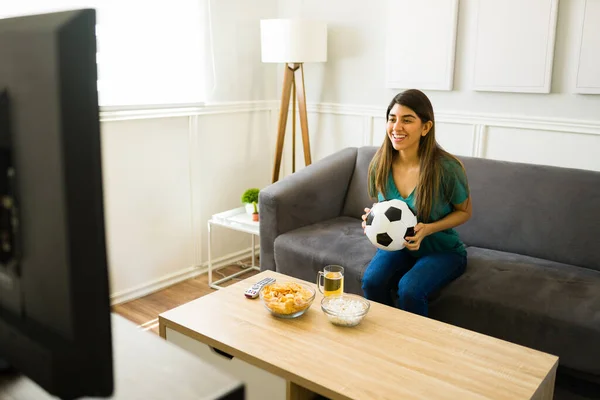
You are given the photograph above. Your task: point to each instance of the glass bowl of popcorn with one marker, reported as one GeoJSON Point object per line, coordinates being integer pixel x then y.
{"type": "Point", "coordinates": [287, 299]}
{"type": "Point", "coordinates": [345, 309]}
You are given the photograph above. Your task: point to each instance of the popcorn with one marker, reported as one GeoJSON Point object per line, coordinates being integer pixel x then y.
{"type": "Point", "coordinates": [345, 311]}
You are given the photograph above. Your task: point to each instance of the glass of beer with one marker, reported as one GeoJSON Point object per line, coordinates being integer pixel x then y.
{"type": "Point", "coordinates": [332, 277]}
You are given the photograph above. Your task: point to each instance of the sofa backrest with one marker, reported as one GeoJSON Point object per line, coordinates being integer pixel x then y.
{"type": "Point", "coordinates": [540, 211]}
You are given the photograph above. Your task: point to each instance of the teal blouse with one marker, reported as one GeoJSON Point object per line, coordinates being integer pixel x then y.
{"type": "Point", "coordinates": [455, 190]}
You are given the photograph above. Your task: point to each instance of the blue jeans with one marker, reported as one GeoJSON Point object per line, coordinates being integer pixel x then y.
{"type": "Point", "coordinates": [414, 278]}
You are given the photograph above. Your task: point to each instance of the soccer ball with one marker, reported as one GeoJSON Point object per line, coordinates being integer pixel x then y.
{"type": "Point", "coordinates": [387, 224]}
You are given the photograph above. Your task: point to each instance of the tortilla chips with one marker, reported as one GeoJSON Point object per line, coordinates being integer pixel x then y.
{"type": "Point", "coordinates": [286, 297]}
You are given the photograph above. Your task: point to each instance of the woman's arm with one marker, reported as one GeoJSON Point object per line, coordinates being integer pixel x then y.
{"type": "Point", "coordinates": [461, 214]}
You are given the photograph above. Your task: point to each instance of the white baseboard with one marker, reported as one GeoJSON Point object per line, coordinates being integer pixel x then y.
{"type": "Point", "coordinates": [176, 277]}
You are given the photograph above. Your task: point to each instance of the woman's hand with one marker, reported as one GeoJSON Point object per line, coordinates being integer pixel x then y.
{"type": "Point", "coordinates": [414, 242]}
{"type": "Point", "coordinates": [364, 219]}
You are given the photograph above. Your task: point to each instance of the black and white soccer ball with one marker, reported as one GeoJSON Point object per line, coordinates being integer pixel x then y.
{"type": "Point", "coordinates": [387, 224]}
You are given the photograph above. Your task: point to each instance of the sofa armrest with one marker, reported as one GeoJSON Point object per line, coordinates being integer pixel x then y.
{"type": "Point", "coordinates": [313, 194]}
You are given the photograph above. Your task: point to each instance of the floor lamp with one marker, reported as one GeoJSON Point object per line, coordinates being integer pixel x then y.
{"type": "Point", "coordinates": [292, 42]}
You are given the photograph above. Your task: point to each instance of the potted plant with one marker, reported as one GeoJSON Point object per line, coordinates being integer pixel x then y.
{"type": "Point", "coordinates": [250, 199]}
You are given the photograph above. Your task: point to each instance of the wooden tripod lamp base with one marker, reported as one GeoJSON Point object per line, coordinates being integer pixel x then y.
{"type": "Point", "coordinates": [293, 79]}
{"type": "Point", "coordinates": [292, 42]}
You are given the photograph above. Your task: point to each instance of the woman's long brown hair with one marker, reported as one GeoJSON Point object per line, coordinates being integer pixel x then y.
{"type": "Point", "coordinates": [431, 156]}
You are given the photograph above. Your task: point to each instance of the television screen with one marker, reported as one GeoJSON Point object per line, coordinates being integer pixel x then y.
{"type": "Point", "coordinates": [54, 291]}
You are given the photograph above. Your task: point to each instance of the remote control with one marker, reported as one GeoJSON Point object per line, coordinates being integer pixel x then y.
{"type": "Point", "coordinates": [252, 292]}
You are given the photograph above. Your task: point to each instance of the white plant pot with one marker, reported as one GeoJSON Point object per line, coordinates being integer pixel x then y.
{"type": "Point", "coordinates": [250, 208]}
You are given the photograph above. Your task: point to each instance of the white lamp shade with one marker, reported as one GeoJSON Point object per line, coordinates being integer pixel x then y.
{"type": "Point", "coordinates": [293, 41]}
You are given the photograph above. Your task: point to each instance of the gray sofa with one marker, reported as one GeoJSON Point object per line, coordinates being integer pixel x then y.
{"type": "Point", "coordinates": [533, 271]}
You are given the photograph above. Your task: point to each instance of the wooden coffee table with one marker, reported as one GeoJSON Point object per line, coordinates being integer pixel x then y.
{"type": "Point", "coordinates": [392, 354]}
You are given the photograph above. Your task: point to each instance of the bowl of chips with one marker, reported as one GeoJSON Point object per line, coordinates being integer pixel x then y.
{"type": "Point", "coordinates": [287, 299]}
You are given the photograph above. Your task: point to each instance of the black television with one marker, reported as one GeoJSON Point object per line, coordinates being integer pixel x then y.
{"type": "Point", "coordinates": [54, 288]}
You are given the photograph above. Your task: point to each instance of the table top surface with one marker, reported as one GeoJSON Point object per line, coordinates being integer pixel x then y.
{"type": "Point", "coordinates": [237, 219]}
{"type": "Point", "coordinates": [391, 354]}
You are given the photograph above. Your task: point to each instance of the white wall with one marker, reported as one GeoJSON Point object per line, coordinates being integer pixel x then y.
{"type": "Point", "coordinates": [511, 126]}
{"type": "Point", "coordinates": [167, 170]}
{"type": "Point", "coordinates": [355, 70]}
{"type": "Point", "coordinates": [239, 73]}
{"type": "Point", "coordinates": [164, 175]}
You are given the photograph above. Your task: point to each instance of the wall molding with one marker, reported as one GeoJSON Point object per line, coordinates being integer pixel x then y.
{"type": "Point", "coordinates": [415, 65]}
{"type": "Point", "coordinates": [495, 65]}
{"type": "Point", "coordinates": [478, 140]}
{"type": "Point", "coordinates": [347, 109]}
{"type": "Point", "coordinates": [522, 122]}
{"type": "Point", "coordinates": [445, 116]}
{"type": "Point", "coordinates": [461, 117]}
{"type": "Point", "coordinates": [589, 29]}
{"type": "Point", "coordinates": [481, 123]}
{"type": "Point", "coordinates": [123, 113]}
{"type": "Point", "coordinates": [196, 185]}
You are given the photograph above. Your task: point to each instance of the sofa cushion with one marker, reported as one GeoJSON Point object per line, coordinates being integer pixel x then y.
{"type": "Point", "coordinates": [304, 251]}
{"type": "Point", "coordinates": [536, 210]}
{"type": "Point", "coordinates": [537, 303]}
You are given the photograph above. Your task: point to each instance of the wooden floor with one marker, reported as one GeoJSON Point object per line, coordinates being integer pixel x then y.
{"type": "Point", "coordinates": [145, 310]}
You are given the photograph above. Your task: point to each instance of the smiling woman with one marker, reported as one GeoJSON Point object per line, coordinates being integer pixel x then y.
{"type": "Point", "coordinates": [411, 166]}
{"type": "Point", "coordinates": [148, 52]}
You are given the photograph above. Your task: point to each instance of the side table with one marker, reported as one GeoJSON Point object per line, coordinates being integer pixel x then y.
{"type": "Point", "coordinates": [237, 219]}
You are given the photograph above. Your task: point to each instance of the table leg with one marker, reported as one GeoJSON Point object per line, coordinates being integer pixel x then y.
{"type": "Point", "coordinates": [162, 329]}
{"type": "Point", "coordinates": [209, 257]}
{"type": "Point", "coordinates": [253, 256]}
{"type": "Point", "coordinates": [546, 390]}
{"type": "Point", "coordinates": [297, 392]}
